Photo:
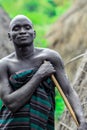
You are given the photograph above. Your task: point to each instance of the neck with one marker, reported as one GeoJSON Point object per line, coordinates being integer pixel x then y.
{"type": "Point", "coordinates": [24, 53]}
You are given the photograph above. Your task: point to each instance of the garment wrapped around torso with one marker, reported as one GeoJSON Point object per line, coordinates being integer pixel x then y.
{"type": "Point", "coordinates": [38, 112]}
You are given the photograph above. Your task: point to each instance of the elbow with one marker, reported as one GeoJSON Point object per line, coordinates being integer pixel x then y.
{"type": "Point", "coordinates": [11, 105]}
{"type": "Point", "coordinates": [12, 108]}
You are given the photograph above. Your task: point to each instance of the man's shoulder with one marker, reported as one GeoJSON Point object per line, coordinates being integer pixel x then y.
{"type": "Point", "coordinates": [47, 51]}
{"type": "Point", "coordinates": [50, 54]}
{"type": "Point", "coordinates": [7, 59]}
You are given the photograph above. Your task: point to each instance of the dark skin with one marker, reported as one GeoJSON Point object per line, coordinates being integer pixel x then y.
{"type": "Point", "coordinates": [26, 56]}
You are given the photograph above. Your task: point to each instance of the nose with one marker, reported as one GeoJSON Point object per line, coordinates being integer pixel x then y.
{"type": "Point", "coordinates": [22, 31]}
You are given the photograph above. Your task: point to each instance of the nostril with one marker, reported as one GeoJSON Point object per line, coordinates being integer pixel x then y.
{"type": "Point", "coordinates": [22, 32]}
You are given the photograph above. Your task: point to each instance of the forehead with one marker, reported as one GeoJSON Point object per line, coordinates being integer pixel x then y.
{"type": "Point", "coordinates": [20, 21]}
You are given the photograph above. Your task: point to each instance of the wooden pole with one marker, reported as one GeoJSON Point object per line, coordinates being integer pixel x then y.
{"type": "Point", "coordinates": [65, 100]}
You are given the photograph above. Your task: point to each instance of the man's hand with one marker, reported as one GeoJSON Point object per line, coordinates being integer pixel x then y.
{"type": "Point", "coordinates": [83, 126]}
{"type": "Point", "coordinates": [46, 69]}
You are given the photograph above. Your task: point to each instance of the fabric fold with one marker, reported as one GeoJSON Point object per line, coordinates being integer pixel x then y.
{"type": "Point", "coordinates": [38, 112]}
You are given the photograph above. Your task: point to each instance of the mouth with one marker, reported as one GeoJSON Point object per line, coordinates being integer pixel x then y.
{"type": "Point", "coordinates": [23, 37]}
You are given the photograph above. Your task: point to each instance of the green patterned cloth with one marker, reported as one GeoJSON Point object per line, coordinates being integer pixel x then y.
{"type": "Point", "coordinates": [38, 112]}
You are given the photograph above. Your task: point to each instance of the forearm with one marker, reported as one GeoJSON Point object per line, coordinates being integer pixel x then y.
{"type": "Point", "coordinates": [18, 98]}
{"type": "Point", "coordinates": [15, 100]}
{"type": "Point", "coordinates": [75, 103]}
{"type": "Point", "coordinates": [71, 95]}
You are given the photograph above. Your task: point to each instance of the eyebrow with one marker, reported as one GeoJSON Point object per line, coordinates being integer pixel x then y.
{"type": "Point", "coordinates": [28, 25]}
{"type": "Point", "coordinates": [18, 25]}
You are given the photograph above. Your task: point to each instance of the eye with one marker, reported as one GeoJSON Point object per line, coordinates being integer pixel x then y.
{"type": "Point", "coordinates": [16, 28]}
{"type": "Point", "coordinates": [27, 27]}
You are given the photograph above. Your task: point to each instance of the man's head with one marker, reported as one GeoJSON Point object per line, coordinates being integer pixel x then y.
{"type": "Point", "coordinates": [21, 31]}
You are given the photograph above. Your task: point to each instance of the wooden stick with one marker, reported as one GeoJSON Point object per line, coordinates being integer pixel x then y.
{"type": "Point", "coordinates": [65, 99]}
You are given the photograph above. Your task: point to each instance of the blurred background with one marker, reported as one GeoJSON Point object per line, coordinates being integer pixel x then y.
{"type": "Point", "coordinates": [60, 25]}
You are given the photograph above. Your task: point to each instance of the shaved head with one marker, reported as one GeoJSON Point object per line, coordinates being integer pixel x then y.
{"type": "Point", "coordinates": [19, 17]}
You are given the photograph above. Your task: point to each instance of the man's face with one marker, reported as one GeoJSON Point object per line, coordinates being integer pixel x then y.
{"type": "Point", "coordinates": [21, 32]}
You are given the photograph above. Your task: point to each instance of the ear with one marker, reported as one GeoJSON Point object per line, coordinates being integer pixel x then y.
{"type": "Point", "coordinates": [9, 36]}
{"type": "Point", "coordinates": [34, 34]}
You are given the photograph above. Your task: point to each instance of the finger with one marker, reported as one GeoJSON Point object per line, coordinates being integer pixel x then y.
{"type": "Point", "coordinates": [47, 62]}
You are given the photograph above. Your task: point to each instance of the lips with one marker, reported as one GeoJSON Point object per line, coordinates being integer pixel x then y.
{"type": "Point", "coordinates": [23, 37]}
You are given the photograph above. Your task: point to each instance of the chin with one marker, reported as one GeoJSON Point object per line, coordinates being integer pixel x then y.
{"type": "Point", "coordinates": [24, 44]}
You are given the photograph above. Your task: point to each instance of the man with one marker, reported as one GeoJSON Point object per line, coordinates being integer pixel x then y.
{"type": "Point", "coordinates": [26, 88]}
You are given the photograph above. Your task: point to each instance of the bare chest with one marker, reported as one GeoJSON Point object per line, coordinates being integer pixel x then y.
{"type": "Point", "coordinates": [24, 65]}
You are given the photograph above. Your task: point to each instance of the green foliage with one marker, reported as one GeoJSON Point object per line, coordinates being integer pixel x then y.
{"type": "Point", "coordinates": [40, 40]}
{"type": "Point", "coordinates": [48, 9]}
{"type": "Point", "coordinates": [52, 2]}
{"type": "Point", "coordinates": [42, 13]}
{"type": "Point", "coordinates": [0, 103]}
{"type": "Point", "coordinates": [60, 105]}
{"type": "Point", "coordinates": [32, 5]}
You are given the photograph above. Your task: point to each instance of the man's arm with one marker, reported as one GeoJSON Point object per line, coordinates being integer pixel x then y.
{"type": "Point", "coordinates": [65, 86]}
{"type": "Point", "coordinates": [14, 100]}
